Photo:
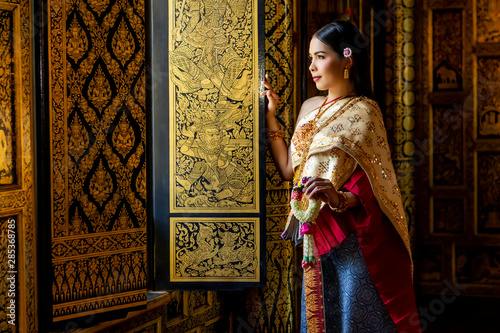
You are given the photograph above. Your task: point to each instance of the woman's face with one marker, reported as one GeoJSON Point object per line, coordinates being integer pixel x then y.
{"type": "Point", "coordinates": [327, 67]}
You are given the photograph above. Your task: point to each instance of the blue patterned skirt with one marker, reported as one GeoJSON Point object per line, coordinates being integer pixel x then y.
{"type": "Point", "coordinates": [351, 301]}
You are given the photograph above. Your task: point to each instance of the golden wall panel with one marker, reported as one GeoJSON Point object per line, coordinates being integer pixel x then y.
{"type": "Point", "coordinates": [221, 249]}
{"type": "Point", "coordinates": [214, 102]}
{"type": "Point", "coordinates": [98, 125]}
{"type": "Point", "coordinates": [16, 163]}
{"type": "Point", "coordinates": [10, 93]}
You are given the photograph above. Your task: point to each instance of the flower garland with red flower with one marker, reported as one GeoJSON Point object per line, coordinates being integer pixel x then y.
{"type": "Point", "coordinates": [305, 217]}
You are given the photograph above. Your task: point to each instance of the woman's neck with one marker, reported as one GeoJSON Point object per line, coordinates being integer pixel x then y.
{"type": "Point", "coordinates": [337, 92]}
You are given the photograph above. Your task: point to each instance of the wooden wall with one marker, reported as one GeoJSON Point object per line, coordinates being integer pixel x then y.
{"type": "Point", "coordinates": [458, 148]}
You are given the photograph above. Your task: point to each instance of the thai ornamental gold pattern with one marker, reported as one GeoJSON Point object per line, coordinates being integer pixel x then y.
{"type": "Point", "coordinates": [97, 99]}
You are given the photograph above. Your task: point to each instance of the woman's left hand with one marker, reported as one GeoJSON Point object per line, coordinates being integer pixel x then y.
{"type": "Point", "coordinates": [322, 189]}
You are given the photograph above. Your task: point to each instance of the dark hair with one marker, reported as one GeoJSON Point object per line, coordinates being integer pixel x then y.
{"type": "Point", "coordinates": [341, 34]}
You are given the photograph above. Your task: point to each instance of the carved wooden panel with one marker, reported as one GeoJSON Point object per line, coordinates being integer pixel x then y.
{"type": "Point", "coordinates": [448, 215]}
{"type": "Point", "coordinates": [153, 326]}
{"type": "Point", "coordinates": [488, 200]}
{"type": "Point", "coordinates": [17, 218]}
{"type": "Point", "coordinates": [447, 45]}
{"type": "Point", "coordinates": [488, 98]}
{"type": "Point", "coordinates": [98, 161]}
{"type": "Point", "coordinates": [478, 264]}
{"type": "Point", "coordinates": [459, 197]}
{"type": "Point", "coordinates": [176, 312]}
{"type": "Point", "coordinates": [448, 140]}
{"type": "Point", "coordinates": [488, 26]}
{"type": "Point", "coordinates": [194, 311]}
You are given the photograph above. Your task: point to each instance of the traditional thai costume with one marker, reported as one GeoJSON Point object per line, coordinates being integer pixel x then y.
{"type": "Point", "coordinates": [361, 280]}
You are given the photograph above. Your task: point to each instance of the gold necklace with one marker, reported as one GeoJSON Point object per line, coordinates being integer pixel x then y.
{"type": "Point", "coordinates": [306, 129]}
{"type": "Point", "coordinates": [310, 127]}
{"type": "Point", "coordinates": [330, 104]}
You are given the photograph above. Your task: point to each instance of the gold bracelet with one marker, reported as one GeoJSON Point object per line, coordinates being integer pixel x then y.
{"type": "Point", "coordinates": [342, 207]}
{"type": "Point", "coordinates": [275, 135]}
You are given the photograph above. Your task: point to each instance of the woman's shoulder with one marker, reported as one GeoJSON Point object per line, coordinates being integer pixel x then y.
{"type": "Point", "coordinates": [310, 105]}
{"type": "Point", "coordinates": [313, 102]}
{"type": "Point", "coordinates": [368, 106]}
{"type": "Point", "coordinates": [367, 103]}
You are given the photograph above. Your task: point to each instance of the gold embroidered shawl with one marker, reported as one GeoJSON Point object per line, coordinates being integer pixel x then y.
{"type": "Point", "coordinates": [355, 136]}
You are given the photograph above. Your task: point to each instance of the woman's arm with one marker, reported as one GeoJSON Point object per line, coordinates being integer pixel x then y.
{"type": "Point", "coordinates": [279, 152]}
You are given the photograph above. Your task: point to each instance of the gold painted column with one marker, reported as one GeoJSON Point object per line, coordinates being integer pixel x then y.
{"type": "Point", "coordinates": [400, 97]}
{"type": "Point", "coordinates": [280, 292]}
{"type": "Point", "coordinates": [272, 308]}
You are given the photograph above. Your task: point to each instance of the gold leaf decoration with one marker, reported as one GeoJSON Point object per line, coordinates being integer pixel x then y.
{"type": "Point", "coordinates": [98, 6]}
{"type": "Point", "coordinates": [99, 89]}
{"type": "Point", "coordinates": [123, 136]}
{"type": "Point", "coordinates": [78, 137]}
{"type": "Point", "coordinates": [77, 41]}
{"type": "Point", "coordinates": [101, 184]}
{"type": "Point", "coordinates": [124, 221]}
{"type": "Point", "coordinates": [77, 224]}
{"type": "Point", "coordinates": [123, 44]}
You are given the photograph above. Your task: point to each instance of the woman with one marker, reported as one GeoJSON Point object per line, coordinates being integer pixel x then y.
{"type": "Point", "coordinates": [357, 261]}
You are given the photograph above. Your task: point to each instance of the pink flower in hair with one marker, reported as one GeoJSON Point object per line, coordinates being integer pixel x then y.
{"type": "Point", "coordinates": [347, 52]}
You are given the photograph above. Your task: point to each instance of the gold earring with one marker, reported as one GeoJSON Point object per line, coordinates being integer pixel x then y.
{"type": "Point", "coordinates": [346, 73]}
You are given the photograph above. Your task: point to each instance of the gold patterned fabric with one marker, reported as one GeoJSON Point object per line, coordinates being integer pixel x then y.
{"type": "Point", "coordinates": [357, 135]}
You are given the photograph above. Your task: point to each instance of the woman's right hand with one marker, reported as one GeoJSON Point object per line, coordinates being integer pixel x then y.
{"type": "Point", "coordinates": [279, 151]}
{"type": "Point", "coordinates": [272, 97]}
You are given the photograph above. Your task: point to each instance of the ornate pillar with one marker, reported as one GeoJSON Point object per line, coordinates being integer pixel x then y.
{"type": "Point", "coordinates": [272, 308]}
{"type": "Point", "coordinates": [400, 97]}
